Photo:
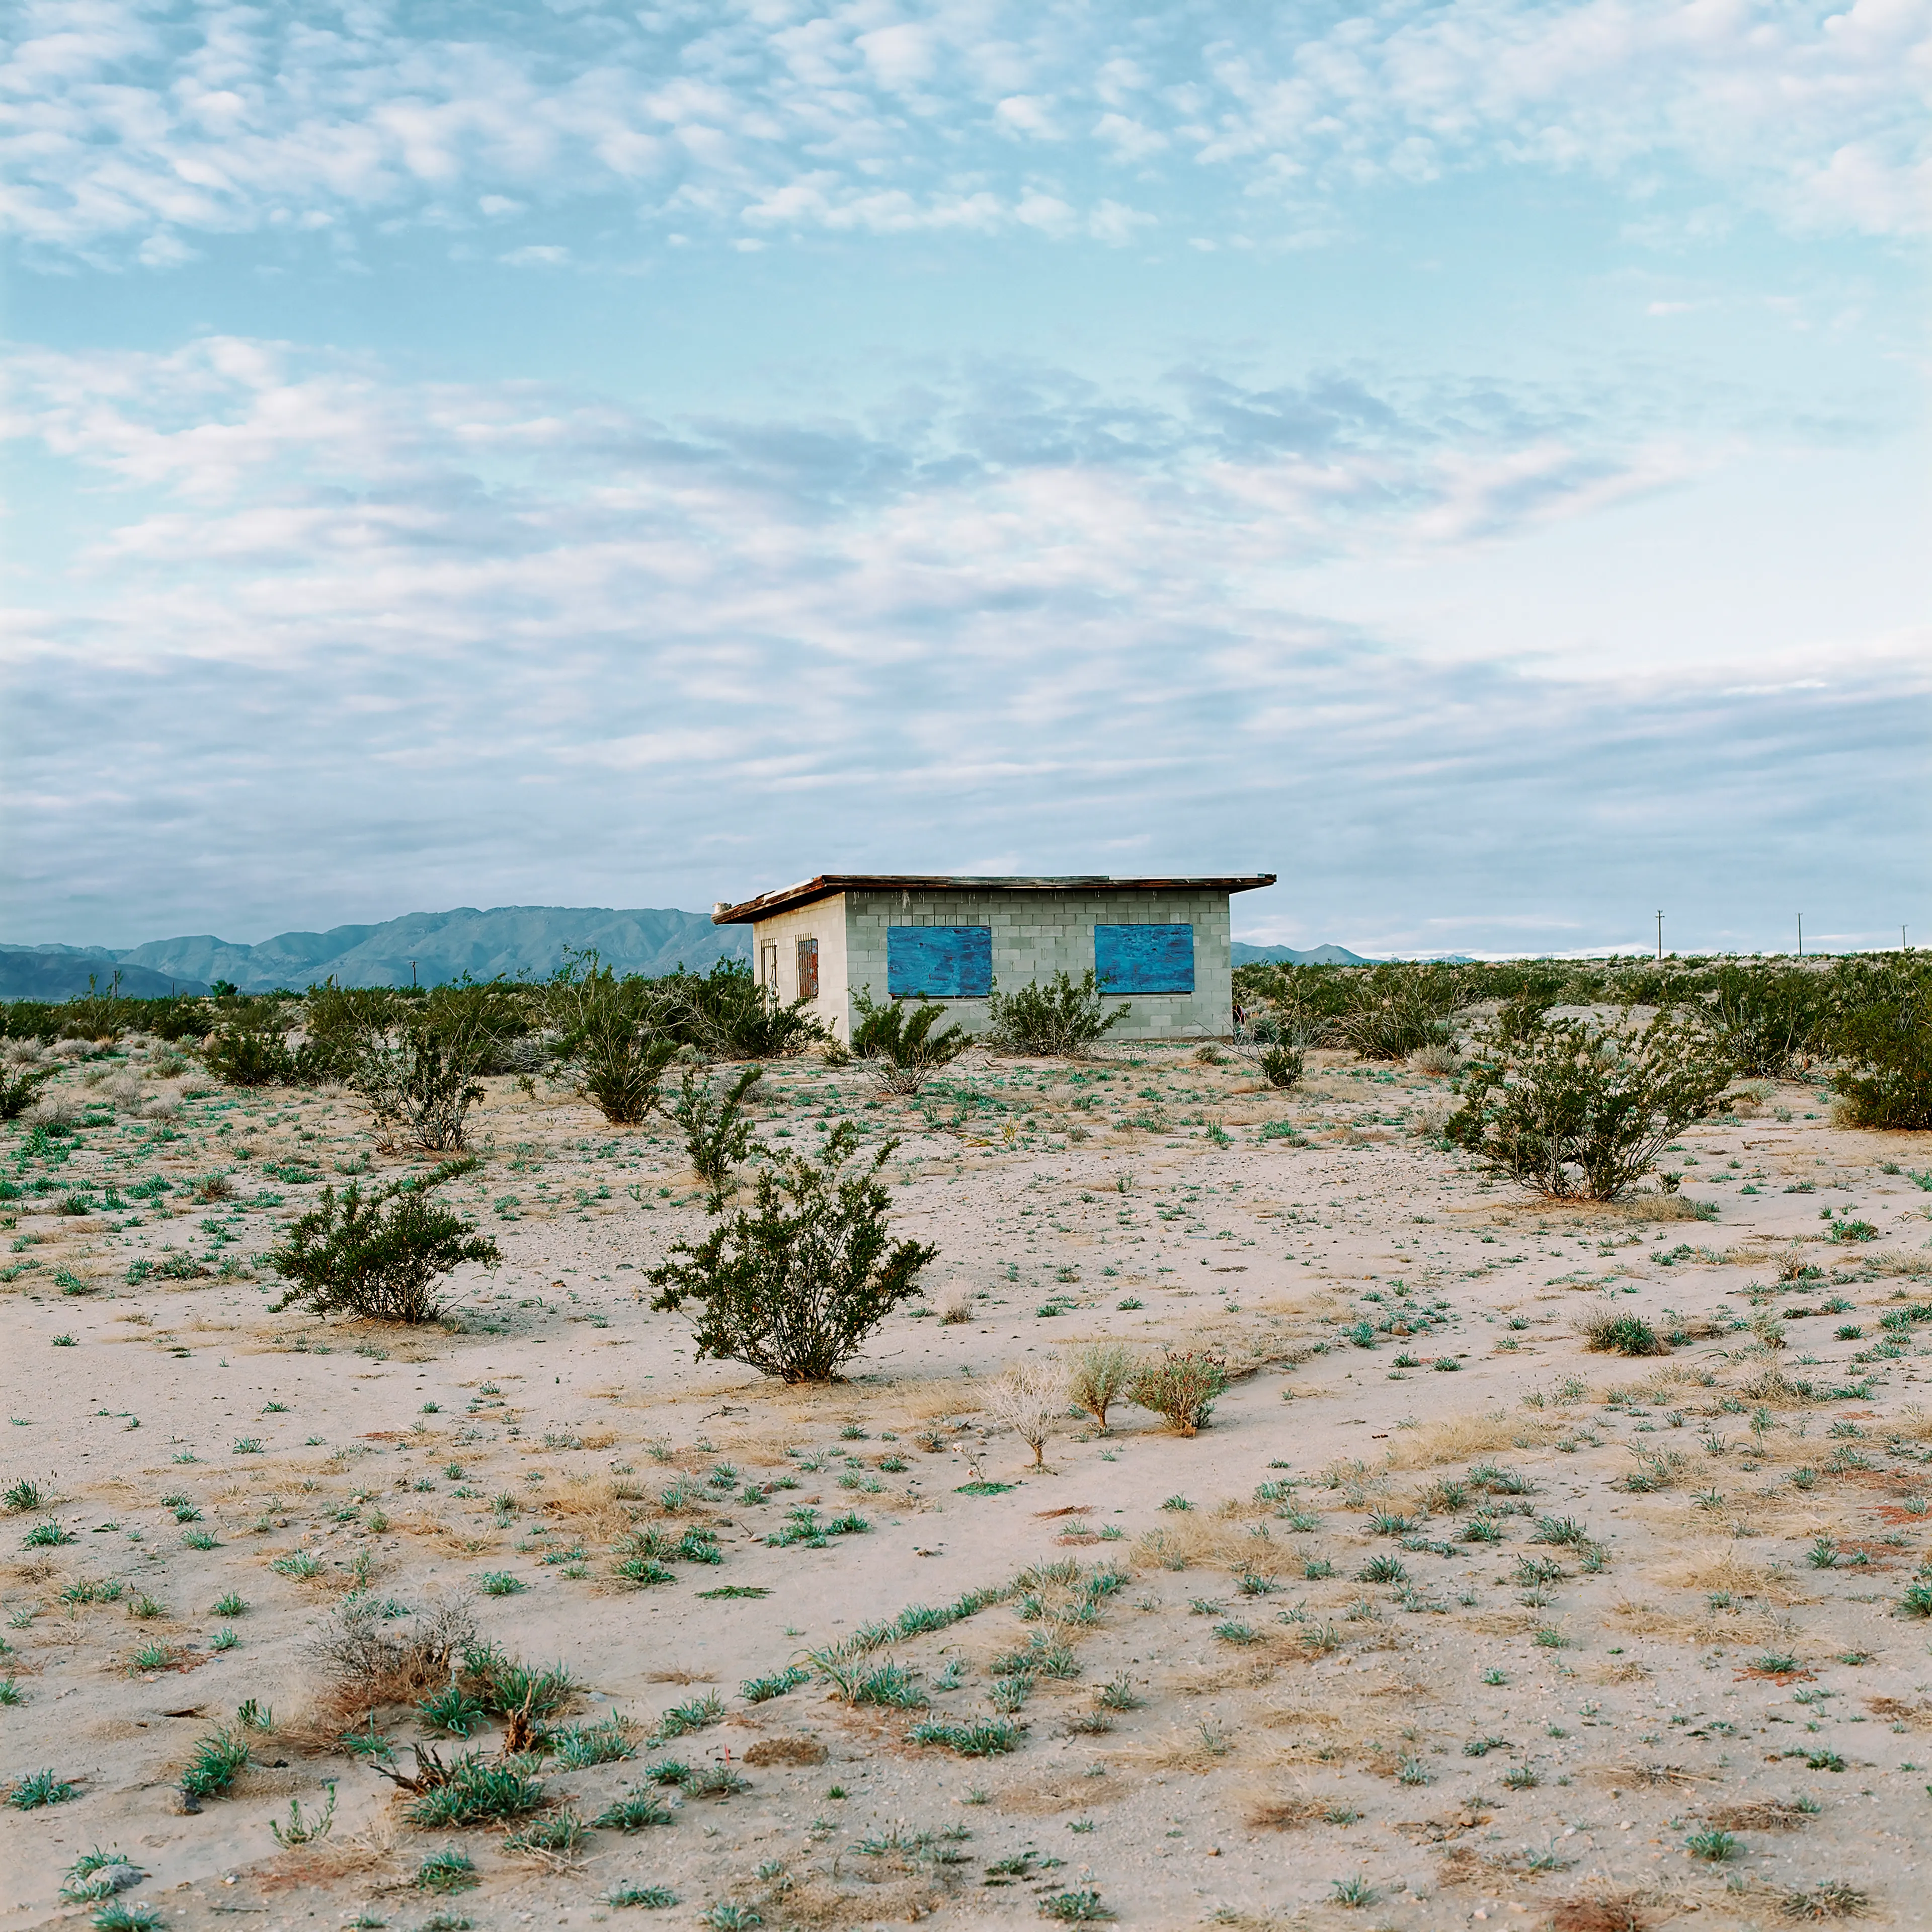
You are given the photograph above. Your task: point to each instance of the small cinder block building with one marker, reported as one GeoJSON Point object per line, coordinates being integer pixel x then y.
{"type": "Point", "coordinates": [1160, 944]}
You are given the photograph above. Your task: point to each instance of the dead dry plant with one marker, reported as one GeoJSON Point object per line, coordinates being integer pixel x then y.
{"type": "Point", "coordinates": [367, 1663]}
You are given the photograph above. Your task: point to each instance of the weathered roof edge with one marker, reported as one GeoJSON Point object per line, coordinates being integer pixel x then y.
{"type": "Point", "coordinates": [768, 903]}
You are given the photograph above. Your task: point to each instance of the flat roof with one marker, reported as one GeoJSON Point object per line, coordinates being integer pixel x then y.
{"type": "Point", "coordinates": [768, 903]}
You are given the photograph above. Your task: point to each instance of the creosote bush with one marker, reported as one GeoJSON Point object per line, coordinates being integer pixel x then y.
{"type": "Point", "coordinates": [899, 1045]}
{"type": "Point", "coordinates": [717, 1135]}
{"type": "Point", "coordinates": [1882, 1029]}
{"type": "Point", "coordinates": [1574, 1110]}
{"type": "Point", "coordinates": [378, 1256]}
{"type": "Point", "coordinates": [1182, 1389]}
{"type": "Point", "coordinates": [1768, 1017]}
{"type": "Point", "coordinates": [243, 1055]}
{"type": "Point", "coordinates": [1392, 1011]}
{"type": "Point", "coordinates": [419, 1088]}
{"type": "Point", "coordinates": [20, 1087]}
{"type": "Point", "coordinates": [794, 1288]}
{"type": "Point", "coordinates": [1064, 1018]}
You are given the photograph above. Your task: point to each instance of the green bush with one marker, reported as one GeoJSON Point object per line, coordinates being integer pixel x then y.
{"type": "Point", "coordinates": [717, 1136]}
{"type": "Point", "coordinates": [419, 1088]}
{"type": "Point", "coordinates": [618, 1065]}
{"type": "Point", "coordinates": [341, 1023]}
{"type": "Point", "coordinates": [900, 1046]}
{"type": "Point", "coordinates": [1577, 1110]}
{"type": "Point", "coordinates": [1393, 1010]}
{"type": "Point", "coordinates": [795, 1288]}
{"type": "Point", "coordinates": [1182, 1389]}
{"type": "Point", "coordinates": [1767, 1016]}
{"type": "Point", "coordinates": [1282, 1066]}
{"type": "Point", "coordinates": [380, 1256]}
{"type": "Point", "coordinates": [249, 1056]}
{"type": "Point", "coordinates": [727, 1016]}
{"type": "Point", "coordinates": [175, 1019]}
{"type": "Point", "coordinates": [611, 1036]}
{"type": "Point", "coordinates": [1881, 1028]}
{"type": "Point", "coordinates": [1063, 1018]}
{"type": "Point", "coordinates": [19, 1090]}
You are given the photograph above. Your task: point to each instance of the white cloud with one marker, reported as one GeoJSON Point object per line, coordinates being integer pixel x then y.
{"type": "Point", "coordinates": [335, 624]}
{"type": "Point", "coordinates": [128, 131]}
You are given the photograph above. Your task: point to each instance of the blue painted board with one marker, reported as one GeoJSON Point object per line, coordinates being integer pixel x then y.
{"type": "Point", "coordinates": [939, 962]}
{"type": "Point", "coordinates": [1144, 958]}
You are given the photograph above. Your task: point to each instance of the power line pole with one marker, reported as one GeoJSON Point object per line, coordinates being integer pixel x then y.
{"type": "Point", "coordinates": [1801, 935]}
{"type": "Point", "coordinates": [1660, 935]}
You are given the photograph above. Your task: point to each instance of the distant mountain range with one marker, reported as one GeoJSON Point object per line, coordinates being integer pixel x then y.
{"type": "Point", "coordinates": [1245, 954]}
{"type": "Point", "coordinates": [442, 945]}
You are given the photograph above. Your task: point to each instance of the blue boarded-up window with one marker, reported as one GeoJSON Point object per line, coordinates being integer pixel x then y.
{"type": "Point", "coordinates": [1144, 958]}
{"type": "Point", "coordinates": [939, 962]}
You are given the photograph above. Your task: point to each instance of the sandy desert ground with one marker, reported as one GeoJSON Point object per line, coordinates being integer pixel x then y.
{"type": "Point", "coordinates": [1464, 1625]}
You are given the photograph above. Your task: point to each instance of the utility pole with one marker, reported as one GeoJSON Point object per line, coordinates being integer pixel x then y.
{"type": "Point", "coordinates": [412, 975]}
{"type": "Point", "coordinates": [1801, 935]}
{"type": "Point", "coordinates": [1659, 936]}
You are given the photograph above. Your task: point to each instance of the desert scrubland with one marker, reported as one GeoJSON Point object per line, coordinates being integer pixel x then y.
{"type": "Point", "coordinates": [1443, 1616]}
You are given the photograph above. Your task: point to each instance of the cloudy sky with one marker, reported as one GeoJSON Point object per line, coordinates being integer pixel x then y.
{"type": "Point", "coordinates": [1469, 459]}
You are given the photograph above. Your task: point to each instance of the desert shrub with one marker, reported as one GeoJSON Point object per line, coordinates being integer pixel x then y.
{"type": "Point", "coordinates": [367, 1660]}
{"type": "Point", "coordinates": [98, 1016]}
{"type": "Point", "coordinates": [480, 1020]}
{"type": "Point", "coordinates": [378, 1256]}
{"type": "Point", "coordinates": [611, 1034]}
{"type": "Point", "coordinates": [899, 1046]}
{"type": "Point", "coordinates": [1182, 1389]}
{"type": "Point", "coordinates": [1881, 1028]}
{"type": "Point", "coordinates": [717, 1136]}
{"type": "Point", "coordinates": [178, 1018]}
{"type": "Point", "coordinates": [727, 1016]}
{"type": "Point", "coordinates": [20, 1087]}
{"type": "Point", "coordinates": [249, 1056]}
{"type": "Point", "coordinates": [1064, 1018]}
{"type": "Point", "coordinates": [1097, 1374]}
{"type": "Point", "coordinates": [1393, 1011]}
{"type": "Point", "coordinates": [1579, 1110]}
{"type": "Point", "coordinates": [795, 1287]}
{"type": "Point", "coordinates": [1767, 1016]}
{"type": "Point", "coordinates": [1026, 1399]}
{"type": "Point", "coordinates": [1282, 1066]}
{"type": "Point", "coordinates": [618, 1065]}
{"type": "Point", "coordinates": [419, 1087]}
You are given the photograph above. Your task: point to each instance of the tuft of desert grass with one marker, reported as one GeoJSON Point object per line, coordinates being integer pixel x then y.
{"type": "Point", "coordinates": [1747, 1627]}
{"type": "Point", "coordinates": [1761, 1814]}
{"type": "Point", "coordinates": [1462, 1438]}
{"type": "Point", "coordinates": [788, 1750]}
{"type": "Point", "coordinates": [1719, 1567]}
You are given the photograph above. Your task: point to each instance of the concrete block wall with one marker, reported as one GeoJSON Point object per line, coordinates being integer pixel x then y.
{"type": "Point", "coordinates": [1036, 934]}
{"type": "Point", "coordinates": [823, 920]}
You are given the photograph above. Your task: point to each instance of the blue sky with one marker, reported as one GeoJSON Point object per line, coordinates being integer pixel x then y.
{"type": "Point", "coordinates": [1469, 460]}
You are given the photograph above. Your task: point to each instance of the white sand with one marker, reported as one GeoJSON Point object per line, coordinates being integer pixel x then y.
{"type": "Point", "coordinates": [1637, 1726]}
